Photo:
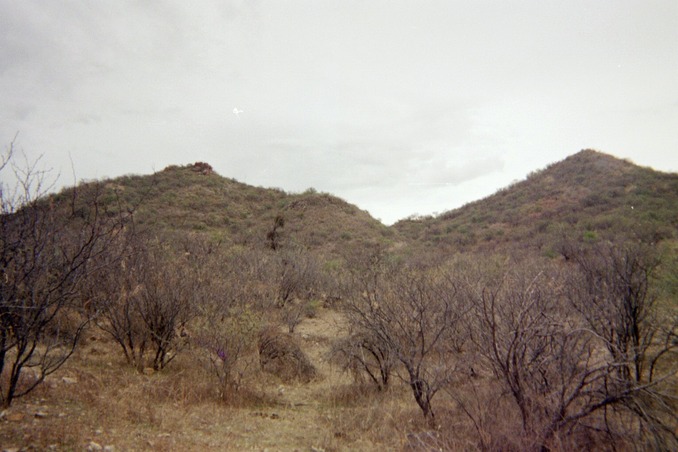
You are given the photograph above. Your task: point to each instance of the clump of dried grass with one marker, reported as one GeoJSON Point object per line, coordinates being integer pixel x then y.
{"type": "Point", "coordinates": [281, 355]}
{"type": "Point", "coordinates": [361, 417]}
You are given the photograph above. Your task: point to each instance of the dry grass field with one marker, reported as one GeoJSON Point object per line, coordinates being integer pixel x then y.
{"type": "Point", "coordinates": [98, 401]}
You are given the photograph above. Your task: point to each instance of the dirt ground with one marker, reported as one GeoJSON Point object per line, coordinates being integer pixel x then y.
{"type": "Point", "coordinates": [96, 402]}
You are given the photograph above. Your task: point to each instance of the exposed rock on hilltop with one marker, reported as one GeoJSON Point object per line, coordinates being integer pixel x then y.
{"type": "Point", "coordinates": [181, 200]}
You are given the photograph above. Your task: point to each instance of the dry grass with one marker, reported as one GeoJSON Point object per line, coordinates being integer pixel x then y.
{"type": "Point", "coordinates": [97, 397]}
{"type": "Point", "coordinates": [281, 355]}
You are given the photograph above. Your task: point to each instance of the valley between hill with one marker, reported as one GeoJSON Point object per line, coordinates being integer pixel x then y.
{"type": "Point", "coordinates": [187, 311]}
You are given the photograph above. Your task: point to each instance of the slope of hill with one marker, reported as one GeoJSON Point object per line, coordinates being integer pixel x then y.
{"type": "Point", "coordinates": [217, 395]}
{"type": "Point", "coordinates": [194, 199]}
{"type": "Point", "coordinates": [589, 193]}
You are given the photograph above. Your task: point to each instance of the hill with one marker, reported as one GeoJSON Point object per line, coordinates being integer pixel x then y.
{"type": "Point", "coordinates": [244, 347]}
{"type": "Point", "coordinates": [589, 193]}
{"type": "Point", "coordinates": [194, 199]}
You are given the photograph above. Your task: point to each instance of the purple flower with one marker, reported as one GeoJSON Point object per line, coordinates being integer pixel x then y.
{"type": "Point", "coordinates": [221, 354]}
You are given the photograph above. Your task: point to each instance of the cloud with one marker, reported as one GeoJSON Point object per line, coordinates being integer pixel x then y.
{"type": "Point", "coordinates": [448, 174]}
{"type": "Point", "coordinates": [398, 104]}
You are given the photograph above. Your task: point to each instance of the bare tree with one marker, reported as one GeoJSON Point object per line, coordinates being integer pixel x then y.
{"type": "Point", "coordinates": [115, 295]}
{"type": "Point", "coordinates": [297, 273]}
{"type": "Point", "coordinates": [414, 315]}
{"type": "Point", "coordinates": [367, 350]}
{"type": "Point", "coordinates": [547, 358]}
{"type": "Point", "coordinates": [46, 252]}
{"type": "Point", "coordinates": [426, 319]}
{"type": "Point", "coordinates": [165, 303]}
{"type": "Point", "coordinates": [612, 290]}
{"type": "Point", "coordinates": [617, 303]}
{"type": "Point", "coordinates": [521, 334]}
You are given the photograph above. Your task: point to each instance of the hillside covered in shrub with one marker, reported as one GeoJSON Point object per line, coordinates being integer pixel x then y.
{"type": "Point", "coordinates": [590, 193]}
{"type": "Point", "coordinates": [211, 314]}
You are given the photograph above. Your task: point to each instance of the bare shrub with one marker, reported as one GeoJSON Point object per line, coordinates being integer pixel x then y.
{"type": "Point", "coordinates": [226, 345]}
{"type": "Point", "coordinates": [364, 355]}
{"type": "Point", "coordinates": [297, 273]}
{"type": "Point", "coordinates": [145, 301]}
{"type": "Point", "coordinates": [291, 315]}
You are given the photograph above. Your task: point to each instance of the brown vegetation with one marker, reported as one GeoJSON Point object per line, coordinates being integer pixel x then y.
{"type": "Point", "coordinates": [169, 335]}
{"type": "Point", "coordinates": [280, 355]}
{"type": "Point", "coordinates": [45, 261]}
{"type": "Point", "coordinates": [590, 193]}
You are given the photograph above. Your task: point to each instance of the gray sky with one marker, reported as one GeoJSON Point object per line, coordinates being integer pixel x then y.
{"type": "Point", "coordinates": [400, 107]}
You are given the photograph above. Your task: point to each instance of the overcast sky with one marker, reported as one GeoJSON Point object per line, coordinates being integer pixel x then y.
{"type": "Point", "coordinates": [400, 107]}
